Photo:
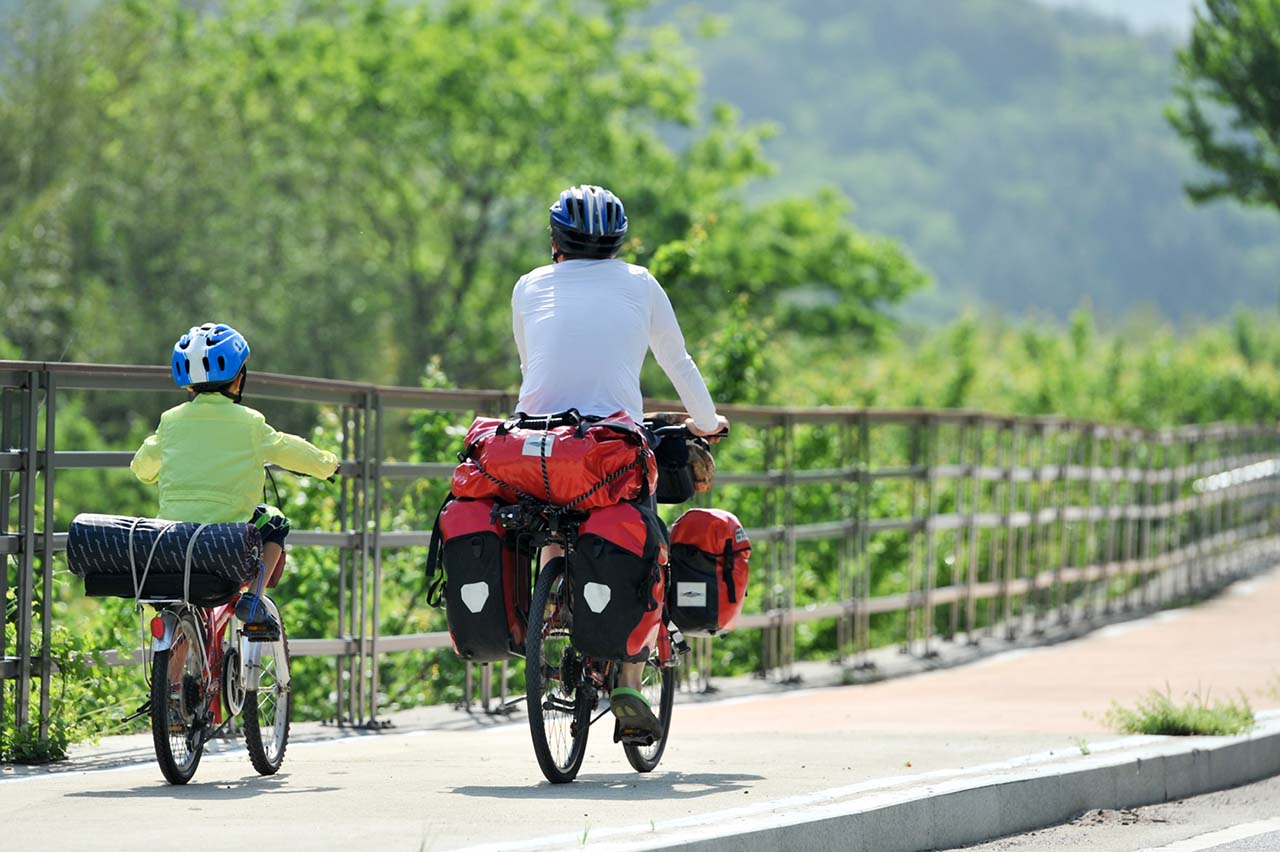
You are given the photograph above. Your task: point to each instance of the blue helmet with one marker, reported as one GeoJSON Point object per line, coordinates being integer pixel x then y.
{"type": "Point", "coordinates": [209, 355]}
{"type": "Point", "coordinates": [588, 221]}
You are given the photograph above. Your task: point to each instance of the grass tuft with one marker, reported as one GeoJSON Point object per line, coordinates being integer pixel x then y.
{"type": "Point", "coordinates": [1158, 713]}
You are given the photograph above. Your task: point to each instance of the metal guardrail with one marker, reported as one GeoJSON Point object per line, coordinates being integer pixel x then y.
{"type": "Point", "coordinates": [990, 522]}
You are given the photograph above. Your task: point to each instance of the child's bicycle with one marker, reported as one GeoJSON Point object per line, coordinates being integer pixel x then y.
{"type": "Point", "coordinates": [563, 686]}
{"type": "Point", "coordinates": [207, 667]}
{"type": "Point", "coordinates": [205, 671]}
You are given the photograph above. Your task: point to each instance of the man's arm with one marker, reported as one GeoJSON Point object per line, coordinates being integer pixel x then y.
{"type": "Point", "coordinates": [667, 342]}
{"type": "Point", "coordinates": [517, 324]}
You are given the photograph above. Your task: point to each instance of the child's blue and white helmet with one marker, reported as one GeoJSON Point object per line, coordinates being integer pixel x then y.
{"type": "Point", "coordinates": [209, 354]}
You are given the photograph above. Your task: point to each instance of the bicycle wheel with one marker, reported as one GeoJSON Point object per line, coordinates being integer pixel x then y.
{"type": "Point", "coordinates": [559, 700]}
{"type": "Point", "coordinates": [179, 702]}
{"type": "Point", "coordinates": [658, 684]}
{"type": "Point", "coordinates": [268, 708]}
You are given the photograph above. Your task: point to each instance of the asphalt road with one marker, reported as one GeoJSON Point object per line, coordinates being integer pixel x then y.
{"type": "Point", "coordinates": [440, 781]}
{"type": "Point", "coordinates": [1244, 819]}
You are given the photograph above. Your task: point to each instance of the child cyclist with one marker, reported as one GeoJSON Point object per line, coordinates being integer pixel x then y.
{"type": "Point", "coordinates": [208, 453]}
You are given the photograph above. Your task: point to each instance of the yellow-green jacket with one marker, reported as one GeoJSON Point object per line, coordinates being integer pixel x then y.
{"type": "Point", "coordinates": [208, 456]}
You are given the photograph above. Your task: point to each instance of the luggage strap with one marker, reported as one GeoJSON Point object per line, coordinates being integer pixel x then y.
{"type": "Point", "coordinates": [186, 567]}
{"type": "Point", "coordinates": [435, 559]}
{"type": "Point", "coordinates": [138, 585]}
{"type": "Point", "coordinates": [728, 570]}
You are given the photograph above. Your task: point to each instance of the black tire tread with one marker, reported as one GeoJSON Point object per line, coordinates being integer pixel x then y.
{"type": "Point", "coordinates": [253, 731]}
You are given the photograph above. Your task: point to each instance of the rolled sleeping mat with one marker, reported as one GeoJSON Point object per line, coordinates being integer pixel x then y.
{"type": "Point", "coordinates": [148, 558]}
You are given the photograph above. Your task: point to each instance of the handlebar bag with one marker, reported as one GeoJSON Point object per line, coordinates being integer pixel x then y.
{"type": "Point", "coordinates": [563, 459]}
{"type": "Point", "coordinates": [709, 555]}
{"type": "Point", "coordinates": [486, 595]}
{"type": "Point", "coordinates": [617, 570]}
{"type": "Point", "coordinates": [148, 558]}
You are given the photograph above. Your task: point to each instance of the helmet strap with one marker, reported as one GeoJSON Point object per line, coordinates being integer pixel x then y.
{"type": "Point", "coordinates": [243, 378]}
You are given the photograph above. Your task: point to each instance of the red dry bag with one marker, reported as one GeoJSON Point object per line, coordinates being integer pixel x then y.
{"type": "Point", "coordinates": [709, 553]}
{"type": "Point", "coordinates": [563, 459]}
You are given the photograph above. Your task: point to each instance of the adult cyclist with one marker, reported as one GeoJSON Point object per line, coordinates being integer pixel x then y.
{"type": "Point", "coordinates": [583, 325]}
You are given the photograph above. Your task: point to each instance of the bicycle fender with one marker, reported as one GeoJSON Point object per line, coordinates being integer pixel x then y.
{"type": "Point", "coordinates": [170, 620]}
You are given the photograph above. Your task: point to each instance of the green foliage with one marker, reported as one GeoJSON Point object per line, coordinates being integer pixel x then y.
{"type": "Point", "coordinates": [382, 169]}
{"type": "Point", "coordinates": [1226, 88]}
{"type": "Point", "coordinates": [83, 693]}
{"type": "Point", "coordinates": [1157, 713]}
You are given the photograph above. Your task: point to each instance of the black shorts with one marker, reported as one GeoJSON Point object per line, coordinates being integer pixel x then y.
{"type": "Point", "coordinates": [271, 523]}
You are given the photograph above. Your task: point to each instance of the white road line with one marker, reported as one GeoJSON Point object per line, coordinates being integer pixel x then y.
{"type": "Point", "coordinates": [1218, 838]}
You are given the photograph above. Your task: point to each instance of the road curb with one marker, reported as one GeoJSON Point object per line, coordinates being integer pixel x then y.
{"type": "Point", "coordinates": [976, 809]}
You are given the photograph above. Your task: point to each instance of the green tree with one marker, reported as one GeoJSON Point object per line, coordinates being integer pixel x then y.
{"type": "Point", "coordinates": [1229, 114]}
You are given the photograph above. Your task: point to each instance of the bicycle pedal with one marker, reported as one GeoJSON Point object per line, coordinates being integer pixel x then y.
{"type": "Point", "coordinates": [635, 737]}
{"type": "Point", "coordinates": [261, 632]}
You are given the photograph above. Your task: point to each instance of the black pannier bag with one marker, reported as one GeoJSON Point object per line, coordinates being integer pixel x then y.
{"type": "Point", "coordinates": [618, 576]}
{"type": "Point", "coordinates": [486, 592]}
{"type": "Point", "coordinates": [675, 476]}
{"type": "Point", "coordinates": [205, 564]}
{"type": "Point", "coordinates": [709, 556]}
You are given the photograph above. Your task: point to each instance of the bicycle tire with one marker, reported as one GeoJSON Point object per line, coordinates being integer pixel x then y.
{"type": "Point", "coordinates": [659, 687]}
{"type": "Point", "coordinates": [267, 755]}
{"type": "Point", "coordinates": [178, 700]}
{"type": "Point", "coordinates": [560, 755]}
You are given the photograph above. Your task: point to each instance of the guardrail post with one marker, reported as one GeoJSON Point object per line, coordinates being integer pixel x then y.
{"type": "Point", "coordinates": [1008, 566]}
{"type": "Point", "coordinates": [342, 709]}
{"type": "Point", "coordinates": [26, 560]}
{"type": "Point", "coordinates": [862, 622]}
{"type": "Point", "coordinates": [915, 455]}
{"type": "Point", "coordinates": [1069, 442]}
{"type": "Point", "coordinates": [46, 558]}
{"type": "Point", "coordinates": [930, 541]}
{"type": "Point", "coordinates": [375, 467]}
{"type": "Point", "coordinates": [1144, 555]}
{"type": "Point", "coordinates": [977, 429]}
{"type": "Point", "coordinates": [1091, 562]}
{"type": "Point", "coordinates": [848, 542]}
{"type": "Point", "coordinates": [6, 482]}
{"type": "Point", "coordinates": [787, 629]}
{"type": "Point", "coordinates": [1030, 563]}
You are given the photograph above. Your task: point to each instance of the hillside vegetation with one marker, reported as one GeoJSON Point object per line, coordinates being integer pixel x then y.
{"type": "Point", "coordinates": [1020, 152]}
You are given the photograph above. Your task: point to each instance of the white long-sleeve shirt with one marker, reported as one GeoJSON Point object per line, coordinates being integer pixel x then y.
{"type": "Point", "coordinates": [583, 327]}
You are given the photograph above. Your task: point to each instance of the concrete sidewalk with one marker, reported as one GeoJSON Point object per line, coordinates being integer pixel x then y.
{"type": "Point", "coordinates": [442, 780]}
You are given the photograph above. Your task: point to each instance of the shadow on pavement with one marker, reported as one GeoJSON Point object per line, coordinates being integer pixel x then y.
{"type": "Point", "coordinates": [253, 785]}
{"type": "Point", "coordinates": [622, 786]}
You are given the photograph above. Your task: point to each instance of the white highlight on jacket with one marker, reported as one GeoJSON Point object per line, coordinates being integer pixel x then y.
{"type": "Point", "coordinates": [583, 327]}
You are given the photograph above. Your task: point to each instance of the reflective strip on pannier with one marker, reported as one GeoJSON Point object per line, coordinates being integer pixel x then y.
{"type": "Point", "coordinates": [618, 575]}
{"type": "Point", "coordinates": [486, 583]}
{"type": "Point", "coordinates": [709, 556]}
{"type": "Point", "coordinates": [562, 459]}
{"type": "Point", "coordinates": [130, 557]}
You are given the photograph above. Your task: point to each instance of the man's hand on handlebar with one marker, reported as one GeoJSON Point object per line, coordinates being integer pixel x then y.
{"type": "Point", "coordinates": [721, 430]}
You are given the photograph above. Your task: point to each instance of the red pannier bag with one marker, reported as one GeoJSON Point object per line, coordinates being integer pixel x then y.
{"type": "Point", "coordinates": [562, 459]}
{"type": "Point", "coordinates": [617, 571]}
{"type": "Point", "coordinates": [709, 553]}
{"type": "Point", "coordinates": [486, 585]}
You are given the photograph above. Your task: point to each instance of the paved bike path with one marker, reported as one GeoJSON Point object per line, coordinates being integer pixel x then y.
{"type": "Point", "coordinates": [440, 783]}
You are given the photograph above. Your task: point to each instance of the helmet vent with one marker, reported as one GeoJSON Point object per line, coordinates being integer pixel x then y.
{"type": "Point", "coordinates": [222, 363]}
{"type": "Point", "coordinates": [186, 366]}
{"type": "Point", "coordinates": [205, 359]}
